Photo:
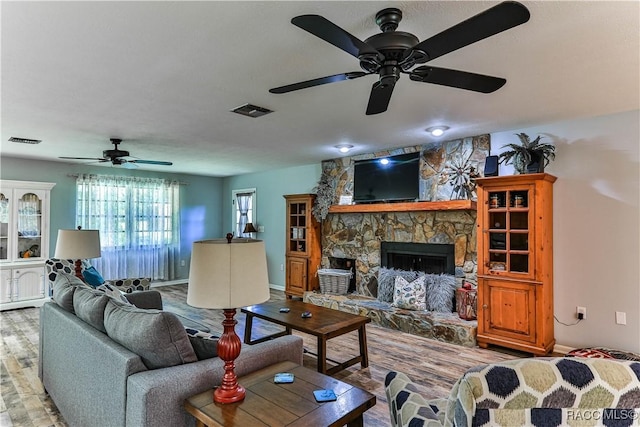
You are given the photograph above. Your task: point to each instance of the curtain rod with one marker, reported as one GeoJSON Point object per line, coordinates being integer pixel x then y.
{"type": "Point", "coordinates": [92, 175]}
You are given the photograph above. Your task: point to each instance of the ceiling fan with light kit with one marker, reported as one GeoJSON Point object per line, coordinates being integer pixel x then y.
{"type": "Point", "coordinates": [391, 53]}
{"type": "Point", "coordinates": [119, 157]}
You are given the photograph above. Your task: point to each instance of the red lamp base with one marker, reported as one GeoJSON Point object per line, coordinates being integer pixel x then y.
{"type": "Point", "coordinates": [229, 346]}
{"type": "Point", "coordinates": [78, 272]}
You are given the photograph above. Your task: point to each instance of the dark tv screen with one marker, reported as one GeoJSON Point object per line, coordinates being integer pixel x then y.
{"type": "Point", "coordinates": [392, 178]}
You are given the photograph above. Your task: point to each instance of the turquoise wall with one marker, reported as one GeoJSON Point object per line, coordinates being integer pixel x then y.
{"type": "Point", "coordinates": [270, 207]}
{"type": "Point", "coordinates": [200, 198]}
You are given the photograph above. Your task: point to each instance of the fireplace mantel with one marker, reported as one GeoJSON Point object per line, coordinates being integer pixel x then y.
{"type": "Point", "coordinates": [448, 205]}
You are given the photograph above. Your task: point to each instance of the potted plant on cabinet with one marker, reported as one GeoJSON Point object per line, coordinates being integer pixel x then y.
{"type": "Point", "coordinates": [529, 156]}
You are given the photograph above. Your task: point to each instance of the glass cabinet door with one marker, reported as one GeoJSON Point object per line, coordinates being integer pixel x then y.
{"type": "Point", "coordinates": [509, 244]}
{"type": "Point", "coordinates": [5, 211]}
{"type": "Point", "coordinates": [29, 223]}
{"type": "Point", "coordinates": [298, 227]}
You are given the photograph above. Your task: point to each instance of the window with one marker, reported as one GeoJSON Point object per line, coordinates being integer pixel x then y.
{"type": "Point", "coordinates": [244, 210]}
{"type": "Point", "coordinates": [139, 224]}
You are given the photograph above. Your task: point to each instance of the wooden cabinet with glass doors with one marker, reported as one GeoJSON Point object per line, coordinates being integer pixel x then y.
{"type": "Point", "coordinates": [515, 262]}
{"type": "Point", "coordinates": [24, 243]}
{"type": "Point", "coordinates": [302, 252]}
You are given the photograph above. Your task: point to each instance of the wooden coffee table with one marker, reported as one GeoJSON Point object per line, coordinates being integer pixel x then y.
{"type": "Point", "coordinates": [324, 324]}
{"type": "Point", "coordinates": [270, 404]}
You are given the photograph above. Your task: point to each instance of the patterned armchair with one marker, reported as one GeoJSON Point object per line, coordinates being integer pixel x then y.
{"type": "Point", "coordinates": [55, 265]}
{"type": "Point", "coordinates": [543, 391]}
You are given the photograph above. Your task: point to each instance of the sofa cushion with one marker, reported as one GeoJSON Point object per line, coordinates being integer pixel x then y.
{"type": "Point", "coordinates": [156, 336]}
{"type": "Point", "coordinates": [63, 288]}
{"type": "Point", "coordinates": [410, 296]}
{"type": "Point", "coordinates": [204, 344]}
{"type": "Point", "coordinates": [92, 277]}
{"type": "Point", "coordinates": [89, 306]}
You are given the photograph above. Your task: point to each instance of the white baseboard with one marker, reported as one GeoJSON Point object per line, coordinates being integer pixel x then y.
{"type": "Point", "coordinates": [277, 287]}
{"type": "Point", "coordinates": [563, 349]}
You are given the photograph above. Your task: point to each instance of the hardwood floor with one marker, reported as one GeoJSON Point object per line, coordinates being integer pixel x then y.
{"type": "Point", "coordinates": [433, 365]}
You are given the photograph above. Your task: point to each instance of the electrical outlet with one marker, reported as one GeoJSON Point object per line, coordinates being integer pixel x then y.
{"type": "Point", "coordinates": [182, 263]}
{"type": "Point", "coordinates": [281, 267]}
{"type": "Point", "coordinates": [581, 312]}
{"type": "Point", "coordinates": [621, 318]}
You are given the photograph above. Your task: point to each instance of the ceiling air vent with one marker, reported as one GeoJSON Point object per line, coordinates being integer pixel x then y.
{"type": "Point", "coordinates": [251, 110]}
{"type": "Point", "coordinates": [25, 140]}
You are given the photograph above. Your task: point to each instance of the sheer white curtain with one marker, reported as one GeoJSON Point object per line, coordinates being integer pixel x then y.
{"type": "Point", "coordinates": [139, 224]}
{"type": "Point", "coordinates": [244, 206]}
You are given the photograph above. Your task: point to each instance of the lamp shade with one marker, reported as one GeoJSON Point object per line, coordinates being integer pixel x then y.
{"type": "Point", "coordinates": [228, 275]}
{"type": "Point", "coordinates": [78, 244]}
{"type": "Point", "coordinates": [249, 228]}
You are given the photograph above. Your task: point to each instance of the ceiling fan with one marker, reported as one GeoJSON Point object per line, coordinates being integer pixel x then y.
{"type": "Point", "coordinates": [392, 52]}
{"type": "Point", "coordinates": [117, 157]}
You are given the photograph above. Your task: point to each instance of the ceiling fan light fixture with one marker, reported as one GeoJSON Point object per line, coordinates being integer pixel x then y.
{"type": "Point", "coordinates": [437, 131]}
{"type": "Point", "coordinates": [344, 148]}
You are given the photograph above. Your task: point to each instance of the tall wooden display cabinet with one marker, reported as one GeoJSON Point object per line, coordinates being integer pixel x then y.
{"type": "Point", "coordinates": [303, 244]}
{"type": "Point", "coordinates": [515, 262]}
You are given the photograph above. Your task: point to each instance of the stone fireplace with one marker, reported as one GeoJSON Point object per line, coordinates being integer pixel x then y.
{"type": "Point", "coordinates": [360, 236]}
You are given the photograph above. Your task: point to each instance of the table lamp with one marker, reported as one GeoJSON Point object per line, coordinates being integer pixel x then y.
{"type": "Point", "coordinates": [227, 274]}
{"type": "Point", "coordinates": [78, 244]}
{"type": "Point", "coordinates": [248, 229]}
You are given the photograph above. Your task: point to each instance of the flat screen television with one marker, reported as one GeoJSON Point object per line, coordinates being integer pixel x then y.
{"type": "Point", "coordinates": [387, 179]}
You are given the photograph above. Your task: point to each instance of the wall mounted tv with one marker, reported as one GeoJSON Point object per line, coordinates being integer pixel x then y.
{"type": "Point", "coordinates": [387, 179]}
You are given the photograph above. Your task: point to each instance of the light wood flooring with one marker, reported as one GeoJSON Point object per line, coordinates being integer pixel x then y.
{"type": "Point", "coordinates": [433, 365]}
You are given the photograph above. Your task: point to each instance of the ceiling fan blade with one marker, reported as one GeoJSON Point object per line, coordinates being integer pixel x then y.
{"type": "Point", "coordinates": [457, 79]}
{"type": "Point", "coordinates": [492, 21]}
{"type": "Point", "coordinates": [318, 82]}
{"type": "Point", "coordinates": [331, 33]}
{"type": "Point", "coordinates": [380, 96]}
{"type": "Point", "coordinates": [150, 162]}
{"type": "Point", "coordinates": [100, 159]}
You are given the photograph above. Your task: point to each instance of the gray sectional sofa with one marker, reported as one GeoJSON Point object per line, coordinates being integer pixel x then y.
{"type": "Point", "coordinates": [105, 363]}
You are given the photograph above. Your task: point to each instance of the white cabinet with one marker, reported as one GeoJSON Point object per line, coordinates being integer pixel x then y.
{"type": "Point", "coordinates": [24, 243]}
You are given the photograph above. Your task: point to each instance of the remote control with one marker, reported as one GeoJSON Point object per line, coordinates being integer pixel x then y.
{"type": "Point", "coordinates": [306, 314]}
{"type": "Point", "coordinates": [284, 310]}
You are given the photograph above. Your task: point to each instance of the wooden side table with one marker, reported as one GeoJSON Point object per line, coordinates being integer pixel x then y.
{"type": "Point", "coordinates": [270, 404]}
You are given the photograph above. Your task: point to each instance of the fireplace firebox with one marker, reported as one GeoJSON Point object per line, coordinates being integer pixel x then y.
{"type": "Point", "coordinates": [433, 258]}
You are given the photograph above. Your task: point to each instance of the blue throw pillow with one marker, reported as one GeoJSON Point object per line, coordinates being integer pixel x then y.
{"type": "Point", "coordinates": [92, 277]}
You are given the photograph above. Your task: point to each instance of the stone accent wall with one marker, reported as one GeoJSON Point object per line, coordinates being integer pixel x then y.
{"type": "Point", "coordinates": [446, 173]}
{"type": "Point", "coordinates": [358, 236]}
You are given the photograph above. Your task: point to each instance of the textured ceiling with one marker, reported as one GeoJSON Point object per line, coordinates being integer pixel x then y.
{"type": "Point", "coordinates": [163, 76]}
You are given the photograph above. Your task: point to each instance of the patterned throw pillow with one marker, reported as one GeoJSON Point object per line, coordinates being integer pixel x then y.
{"type": "Point", "coordinates": [113, 292]}
{"type": "Point", "coordinates": [387, 281]}
{"type": "Point", "coordinates": [204, 344]}
{"type": "Point", "coordinates": [410, 296]}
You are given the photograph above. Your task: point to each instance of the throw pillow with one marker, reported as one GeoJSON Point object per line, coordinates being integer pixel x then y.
{"type": "Point", "coordinates": [63, 288]}
{"type": "Point", "coordinates": [441, 290]}
{"type": "Point", "coordinates": [156, 336]}
{"type": "Point", "coordinates": [204, 344]}
{"type": "Point", "coordinates": [89, 306]}
{"type": "Point", "coordinates": [410, 296]}
{"type": "Point", "coordinates": [92, 277]}
{"type": "Point", "coordinates": [387, 281]}
{"type": "Point", "coordinates": [113, 292]}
